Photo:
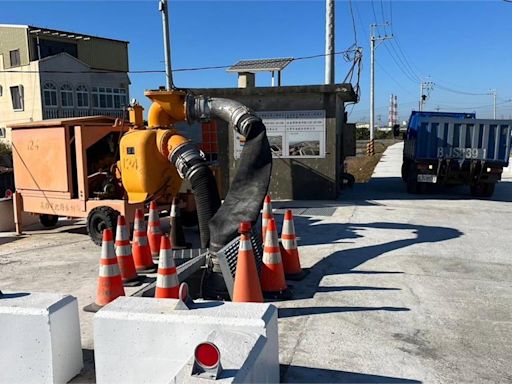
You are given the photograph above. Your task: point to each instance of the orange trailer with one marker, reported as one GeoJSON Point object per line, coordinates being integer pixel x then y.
{"type": "Point", "coordinates": [67, 167]}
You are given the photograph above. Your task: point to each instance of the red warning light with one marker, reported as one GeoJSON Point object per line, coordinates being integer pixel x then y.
{"type": "Point", "coordinates": [207, 355]}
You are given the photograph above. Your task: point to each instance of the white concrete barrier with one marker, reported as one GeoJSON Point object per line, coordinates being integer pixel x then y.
{"type": "Point", "coordinates": [242, 359]}
{"type": "Point", "coordinates": [39, 338]}
{"type": "Point", "coordinates": [7, 216]}
{"type": "Point", "coordinates": [143, 340]}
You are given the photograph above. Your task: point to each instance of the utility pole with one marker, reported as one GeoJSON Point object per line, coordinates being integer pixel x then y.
{"type": "Point", "coordinates": [329, 41]}
{"type": "Point", "coordinates": [162, 7]}
{"type": "Point", "coordinates": [425, 88]}
{"type": "Point", "coordinates": [374, 42]}
{"type": "Point", "coordinates": [492, 92]}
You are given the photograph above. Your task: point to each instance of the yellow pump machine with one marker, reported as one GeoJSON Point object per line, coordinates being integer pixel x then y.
{"type": "Point", "coordinates": [153, 161]}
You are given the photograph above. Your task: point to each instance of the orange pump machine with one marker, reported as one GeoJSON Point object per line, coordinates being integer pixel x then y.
{"type": "Point", "coordinates": [153, 161]}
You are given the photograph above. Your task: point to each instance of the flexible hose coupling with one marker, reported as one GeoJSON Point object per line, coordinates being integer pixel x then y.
{"type": "Point", "coordinates": [187, 159]}
{"type": "Point", "coordinates": [203, 108]}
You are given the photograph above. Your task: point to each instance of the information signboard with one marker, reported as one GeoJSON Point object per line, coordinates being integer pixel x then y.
{"type": "Point", "coordinates": [291, 134]}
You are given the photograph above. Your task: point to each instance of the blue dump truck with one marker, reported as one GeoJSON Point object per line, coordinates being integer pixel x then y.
{"type": "Point", "coordinates": [450, 148]}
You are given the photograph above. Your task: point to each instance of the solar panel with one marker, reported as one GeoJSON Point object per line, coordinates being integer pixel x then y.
{"type": "Point", "coordinates": [261, 65]}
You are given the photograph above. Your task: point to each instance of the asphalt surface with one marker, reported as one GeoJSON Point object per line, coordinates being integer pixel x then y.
{"type": "Point", "coordinates": [401, 289]}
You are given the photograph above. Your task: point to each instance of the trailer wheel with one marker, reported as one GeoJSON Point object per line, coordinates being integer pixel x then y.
{"type": "Point", "coordinates": [48, 221]}
{"type": "Point", "coordinates": [99, 219]}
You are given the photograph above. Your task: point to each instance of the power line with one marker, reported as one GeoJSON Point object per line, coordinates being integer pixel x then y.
{"type": "Point", "coordinates": [147, 71]}
{"type": "Point", "coordinates": [459, 92]}
{"type": "Point", "coordinates": [374, 14]}
{"type": "Point", "coordinates": [353, 22]}
{"type": "Point", "coordinates": [392, 78]}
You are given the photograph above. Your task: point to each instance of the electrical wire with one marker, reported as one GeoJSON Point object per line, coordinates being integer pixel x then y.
{"type": "Point", "coordinates": [353, 22]}
{"type": "Point", "coordinates": [459, 92]}
{"type": "Point", "coordinates": [392, 78]}
{"type": "Point", "coordinates": [146, 71]}
{"type": "Point", "coordinates": [374, 14]}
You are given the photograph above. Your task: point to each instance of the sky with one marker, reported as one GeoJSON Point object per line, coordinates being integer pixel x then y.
{"type": "Point", "coordinates": [463, 47]}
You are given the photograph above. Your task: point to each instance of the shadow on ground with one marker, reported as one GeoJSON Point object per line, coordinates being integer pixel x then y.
{"type": "Point", "coordinates": [298, 374]}
{"type": "Point", "coordinates": [346, 260]}
{"type": "Point", "coordinates": [393, 188]}
{"type": "Point", "coordinates": [306, 311]}
{"type": "Point", "coordinates": [88, 373]}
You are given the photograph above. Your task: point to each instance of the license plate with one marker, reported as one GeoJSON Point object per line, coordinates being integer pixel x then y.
{"type": "Point", "coordinates": [427, 178]}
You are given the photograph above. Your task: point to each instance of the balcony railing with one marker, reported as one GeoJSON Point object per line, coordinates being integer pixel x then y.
{"type": "Point", "coordinates": [56, 113]}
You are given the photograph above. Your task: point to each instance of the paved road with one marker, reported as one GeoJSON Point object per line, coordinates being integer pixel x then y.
{"type": "Point", "coordinates": [402, 288]}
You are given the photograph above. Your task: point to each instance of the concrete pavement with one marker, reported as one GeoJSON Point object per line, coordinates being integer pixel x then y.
{"type": "Point", "coordinates": [402, 288]}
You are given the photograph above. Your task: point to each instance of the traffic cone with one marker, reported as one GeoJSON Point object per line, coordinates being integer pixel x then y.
{"type": "Point", "coordinates": [246, 288]}
{"type": "Point", "coordinates": [124, 254]}
{"type": "Point", "coordinates": [167, 285]}
{"type": "Point", "coordinates": [273, 282]}
{"type": "Point", "coordinates": [266, 215]}
{"type": "Point", "coordinates": [176, 229]}
{"type": "Point", "coordinates": [289, 251]}
{"type": "Point", "coordinates": [140, 247]}
{"type": "Point", "coordinates": [110, 284]}
{"type": "Point", "coordinates": [154, 230]}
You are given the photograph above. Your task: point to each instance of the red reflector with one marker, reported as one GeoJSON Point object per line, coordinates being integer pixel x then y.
{"type": "Point", "coordinates": [422, 166]}
{"type": "Point", "coordinates": [8, 193]}
{"type": "Point", "coordinates": [207, 355]}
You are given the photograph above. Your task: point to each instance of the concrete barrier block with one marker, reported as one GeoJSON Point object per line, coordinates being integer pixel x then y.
{"type": "Point", "coordinates": [142, 340]}
{"type": "Point", "coordinates": [242, 359]}
{"type": "Point", "coordinates": [39, 338]}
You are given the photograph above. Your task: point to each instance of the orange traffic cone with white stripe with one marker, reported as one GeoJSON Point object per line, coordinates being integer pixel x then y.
{"type": "Point", "coordinates": [246, 288]}
{"type": "Point", "coordinates": [124, 254]}
{"type": "Point", "coordinates": [273, 282]}
{"type": "Point", "coordinates": [110, 284]}
{"type": "Point", "coordinates": [266, 215]}
{"type": "Point", "coordinates": [154, 230]}
{"type": "Point", "coordinates": [167, 285]}
{"type": "Point", "coordinates": [289, 251]}
{"type": "Point", "coordinates": [140, 247]}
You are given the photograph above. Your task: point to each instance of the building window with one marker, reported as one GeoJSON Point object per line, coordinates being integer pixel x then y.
{"type": "Point", "coordinates": [1, 91]}
{"type": "Point", "coordinates": [2, 133]}
{"type": "Point", "coordinates": [15, 58]}
{"type": "Point", "coordinates": [109, 98]}
{"type": "Point", "coordinates": [82, 97]}
{"type": "Point", "coordinates": [66, 96]}
{"type": "Point", "coordinates": [50, 95]}
{"type": "Point", "coordinates": [17, 97]}
{"type": "Point", "coordinates": [119, 98]}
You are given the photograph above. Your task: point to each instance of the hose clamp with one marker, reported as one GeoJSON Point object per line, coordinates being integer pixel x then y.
{"type": "Point", "coordinates": [198, 108]}
{"type": "Point", "coordinates": [187, 159]}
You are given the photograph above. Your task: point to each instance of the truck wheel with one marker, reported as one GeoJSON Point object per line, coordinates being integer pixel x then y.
{"type": "Point", "coordinates": [412, 183]}
{"type": "Point", "coordinates": [405, 171]}
{"type": "Point", "coordinates": [48, 221]}
{"type": "Point", "coordinates": [347, 180]}
{"type": "Point", "coordinates": [482, 189]}
{"type": "Point", "coordinates": [489, 190]}
{"type": "Point", "coordinates": [99, 219]}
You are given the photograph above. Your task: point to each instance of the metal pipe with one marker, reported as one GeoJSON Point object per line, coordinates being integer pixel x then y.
{"type": "Point", "coordinates": [231, 111]}
{"type": "Point", "coordinates": [162, 6]}
{"type": "Point", "coordinates": [329, 41]}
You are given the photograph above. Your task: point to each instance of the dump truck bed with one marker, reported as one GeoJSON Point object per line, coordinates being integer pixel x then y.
{"type": "Point", "coordinates": [455, 138]}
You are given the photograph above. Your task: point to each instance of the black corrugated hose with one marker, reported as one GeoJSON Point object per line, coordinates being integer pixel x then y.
{"type": "Point", "coordinates": [207, 200]}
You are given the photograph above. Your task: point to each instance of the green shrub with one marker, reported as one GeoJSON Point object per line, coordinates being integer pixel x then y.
{"type": "Point", "coordinates": [362, 134]}
{"type": "Point", "coordinates": [5, 149]}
